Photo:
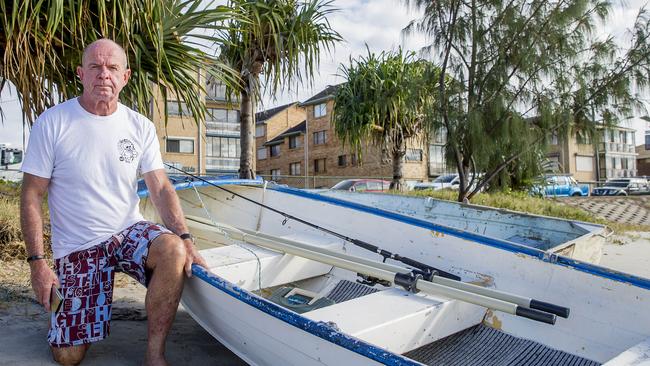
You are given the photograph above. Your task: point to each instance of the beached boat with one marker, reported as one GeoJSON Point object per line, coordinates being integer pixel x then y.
{"type": "Point", "coordinates": [283, 289]}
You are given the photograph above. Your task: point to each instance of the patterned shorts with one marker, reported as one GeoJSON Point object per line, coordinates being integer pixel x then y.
{"type": "Point", "coordinates": [86, 279]}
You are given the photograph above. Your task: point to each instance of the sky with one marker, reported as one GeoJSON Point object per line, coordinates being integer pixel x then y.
{"type": "Point", "coordinates": [377, 24]}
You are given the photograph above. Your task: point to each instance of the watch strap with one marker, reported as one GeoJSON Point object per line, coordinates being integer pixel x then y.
{"type": "Point", "coordinates": [186, 236]}
{"type": "Point", "coordinates": [35, 258]}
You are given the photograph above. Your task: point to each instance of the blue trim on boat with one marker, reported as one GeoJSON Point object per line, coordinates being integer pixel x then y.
{"type": "Point", "coordinates": [181, 183]}
{"type": "Point", "coordinates": [319, 329]}
{"type": "Point", "coordinates": [481, 239]}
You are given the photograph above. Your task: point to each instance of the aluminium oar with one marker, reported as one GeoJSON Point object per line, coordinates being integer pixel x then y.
{"type": "Point", "coordinates": [386, 272]}
{"type": "Point", "coordinates": [427, 270]}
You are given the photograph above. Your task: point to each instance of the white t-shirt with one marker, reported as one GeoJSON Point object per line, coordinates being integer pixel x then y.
{"type": "Point", "coordinates": [93, 164]}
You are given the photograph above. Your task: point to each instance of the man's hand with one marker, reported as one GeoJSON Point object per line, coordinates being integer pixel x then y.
{"type": "Point", "coordinates": [193, 256]}
{"type": "Point", "coordinates": [42, 278]}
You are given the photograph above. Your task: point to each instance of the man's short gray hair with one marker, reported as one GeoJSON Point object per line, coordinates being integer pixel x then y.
{"type": "Point", "coordinates": [104, 40]}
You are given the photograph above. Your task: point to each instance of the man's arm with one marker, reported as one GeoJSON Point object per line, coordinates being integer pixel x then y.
{"type": "Point", "coordinates": [31, 222]}
{"type": "Point", "coordinates": [164, 197]}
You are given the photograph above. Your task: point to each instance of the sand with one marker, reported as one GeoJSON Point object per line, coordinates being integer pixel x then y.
{"type": "Point", "coordinates": [23, 323]}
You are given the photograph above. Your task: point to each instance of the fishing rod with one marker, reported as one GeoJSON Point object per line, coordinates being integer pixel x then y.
{"type": "Point", "coordinates": [425, 270]}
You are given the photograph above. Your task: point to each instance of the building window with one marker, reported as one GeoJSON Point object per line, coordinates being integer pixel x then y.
{"type": "Point", "coordinates": [275, 150]}
{"type": "Point", "coordinates": [176, 145]}
{"type": "Point", "coordinates": [261, 153]}
{"type": "Point", "coordinates": [584, 163]}
{"type": "Point", "coordinates": [320, 137]}
{"type": "Point", "coordinates": [222, 115]}
{"type": "Point", "coordinates": [343, 160]}
{"type": "Point", "coordinates": [647, 141]}
{"type": "Point", "coordinates": [320, 110]}
{"type": "Point", "coordinates": [583, 138]}
{"type": "Point", "coordinates": [319, 165]}
{"type": "Point", "coordinates": [222, 147]}
{"type": "Point", "coordinates": [294, 142]}
{"type": "Point", "coordinates": [554, 139]}
{"type": "Point", "coordinates": [215, 89]}
{"type": "Point", "coordinates": [354, 160]}
{"type": "Point", "coordinates": [413, 155]}
{"type": "Point", "coordinates": [173, 108]}
{"type": "Point", "coordinates": [260, 130]}
{"type": "Point", "coordinates": [275, 174]}
{"type": "Point", "coordinates": [294, 168]}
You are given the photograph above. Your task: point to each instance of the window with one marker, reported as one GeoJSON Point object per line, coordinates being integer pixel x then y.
{"type": "Point", "coordinates": [294, 142]}
{"type": "Point", "coordinates": [320, 110]}
{"type": "Point", "coordinates": [222, 115]}
{"type": "Point", "coordinates": [353, 159]}
{"type": "Point", "coordinates": [176, 145]}
{"type": "Point", "coordinates": [554, 138]}
{"type": "Point", "coordinates": [260, 130]}
{"type": "Point", "coordinates": [222, 147]}
{"type": "Point", "coordinates": [413, 155]}
{"type": "Point", "coordinates": [275, 150]}
{"type": "Point", "coordinates": [294, 168]}
{"type": "Point", "coordinates": [584, 163]}
{"type": "Point", "coordinates": [343, 161]}
{"type": "Point", "coordinates": [174, 110]}
{"type": "Point", "coordinates": [647, 141]}
{"type": "Point", "coordinates": [215, 89]}
{"type": "Point", "coordinates": [624, 163]}
{"type": "Point", "coordinates": [320, 137]}
{"type": "Point", "coordinates": [261, 153]}
{"type": "Point", "coordinates": [275, 174]}
{"type": "Point", "coordinates": [319, 165]}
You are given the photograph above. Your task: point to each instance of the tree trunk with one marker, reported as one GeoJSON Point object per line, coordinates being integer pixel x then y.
{"type": "Point", "coordinates": [398, 164]}
{"type": "Point", "coordinates": [247, 142]}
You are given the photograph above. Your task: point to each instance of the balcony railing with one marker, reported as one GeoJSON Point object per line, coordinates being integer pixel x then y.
{"type": "Point", "coordinates": [222, 128]}
{"type": "Point", "coordinates": [617, 147]}
{"type": "Point", "coordinates": [222, 164]}
{"type": "Point", "coordinates": [620, 173]}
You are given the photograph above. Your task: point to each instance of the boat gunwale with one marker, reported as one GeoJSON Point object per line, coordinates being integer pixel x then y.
{"type": "Point", "coordinates": [544, 256]}
{"type": "Point", "coordinates": [317, 328]}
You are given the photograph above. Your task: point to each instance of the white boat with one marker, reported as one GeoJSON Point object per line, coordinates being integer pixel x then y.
{"type": "Point", "coordinates": [279, 291]}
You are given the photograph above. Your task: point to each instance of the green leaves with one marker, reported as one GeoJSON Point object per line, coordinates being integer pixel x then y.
{"type": "Point", "coordinates": [41, 44]}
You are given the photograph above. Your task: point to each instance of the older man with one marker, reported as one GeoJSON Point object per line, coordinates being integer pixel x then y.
{"type": "Point", "coordinates": [87, 153]}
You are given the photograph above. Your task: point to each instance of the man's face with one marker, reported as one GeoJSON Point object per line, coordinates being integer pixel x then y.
{"type": "Point", "coordinates": [103, 73]}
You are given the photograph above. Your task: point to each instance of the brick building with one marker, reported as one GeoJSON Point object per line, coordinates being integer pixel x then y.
{"type": "Point", "coordinates": [207, 147]}
{"type": "Point", "coordinates": [643, 158]}
{"type": "Point", "coordinates": [286, 156]}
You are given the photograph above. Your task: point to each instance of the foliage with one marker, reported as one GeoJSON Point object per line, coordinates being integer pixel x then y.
{"type": "Point", "coordinates": [523, 70]}
{"type": "Point", "coordinates": [384, 100]}
{"type": "Point", "coordinates": [279, 39]}
{"type": "Point", "coordinates": [41, 43]}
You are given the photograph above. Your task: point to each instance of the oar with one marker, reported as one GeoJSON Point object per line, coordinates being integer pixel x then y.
{"type": "Point", "coordinates": [359, 265]}
{"type": "Point", "coordinates": [501, 295]}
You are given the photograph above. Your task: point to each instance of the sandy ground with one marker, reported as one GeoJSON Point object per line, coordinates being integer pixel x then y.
{"type": "Point", "coordinates": [23, 323]}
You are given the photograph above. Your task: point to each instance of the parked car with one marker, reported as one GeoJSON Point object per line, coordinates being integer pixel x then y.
{"type": "Point", "coordinates": [363, 185]}
{"type": "Point", "coordinates": [559, 186]}
{"type": "Point", "coordinates": [623, 187]}
{"type": "Point", "coordinates": [443, 181]}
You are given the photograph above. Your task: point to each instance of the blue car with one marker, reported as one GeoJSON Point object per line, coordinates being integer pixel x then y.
{"type": "Point", "coordinates": [559, 186]}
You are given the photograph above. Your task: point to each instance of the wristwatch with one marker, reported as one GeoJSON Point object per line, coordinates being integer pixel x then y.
{"type": "Point", "coordinates": [186, 236]}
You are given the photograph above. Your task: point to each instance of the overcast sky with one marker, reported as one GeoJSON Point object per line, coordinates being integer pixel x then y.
{"type": "Point", "coordinates": [377, 23]}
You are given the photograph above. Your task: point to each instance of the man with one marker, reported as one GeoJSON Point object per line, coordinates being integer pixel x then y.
{"type": "Point", "coordinates": [87, 153]}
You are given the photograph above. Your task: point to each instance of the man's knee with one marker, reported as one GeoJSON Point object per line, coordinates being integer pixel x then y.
{"type": "Point", "coordinates": [69, 356]}
{"type": "Point", "coordinates": [167, 248]}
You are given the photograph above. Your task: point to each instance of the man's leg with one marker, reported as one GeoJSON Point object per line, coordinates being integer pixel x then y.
{"type": "Point", "coordinates": [165, 262]}
{"type": "Point", "coordinates": [69, 356]}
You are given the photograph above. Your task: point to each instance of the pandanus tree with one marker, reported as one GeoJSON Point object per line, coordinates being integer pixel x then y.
{"type": "Point", "coordinates": [272, 44]}
{"type": "Point", "coordinates": [41, 43]}
{"type": "Point", "coordinates": [383, 102]}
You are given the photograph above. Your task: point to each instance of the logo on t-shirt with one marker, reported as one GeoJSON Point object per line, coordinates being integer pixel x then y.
{"type": "Point", "coordinates": [127, 150]}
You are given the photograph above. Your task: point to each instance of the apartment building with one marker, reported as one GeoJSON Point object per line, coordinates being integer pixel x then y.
{"type": "Point", "coordinates": [286, 152]}
{"type": "Point", "coordinates": [207, 147]}
{"type": "Point", "coordinates": [613, 156]}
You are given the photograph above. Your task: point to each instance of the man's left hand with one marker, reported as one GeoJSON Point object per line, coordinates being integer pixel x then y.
{"type": "Point", "coordinates": [192, 256]}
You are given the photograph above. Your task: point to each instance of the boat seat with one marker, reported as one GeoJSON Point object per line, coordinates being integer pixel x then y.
{"type": "Point", "coordinates": [398, 320]}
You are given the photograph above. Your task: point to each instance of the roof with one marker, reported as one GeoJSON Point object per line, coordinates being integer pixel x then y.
{"type": "Point", "coordinates": [263, 116]}
{"type": "Point", "coordinates": [298, 129]}
{"type": "Point", "coordinates": [323, 95]}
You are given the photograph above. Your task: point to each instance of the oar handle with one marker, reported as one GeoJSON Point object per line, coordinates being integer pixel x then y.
{"type": "Point", "coordinates": [533, 314]}
{"type": "Point", "coordinates": [550, 308]}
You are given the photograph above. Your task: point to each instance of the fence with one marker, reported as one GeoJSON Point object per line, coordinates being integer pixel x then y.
{"type": "Point", "coordinates": [315, 181]}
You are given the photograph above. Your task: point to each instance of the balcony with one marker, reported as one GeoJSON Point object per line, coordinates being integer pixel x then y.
{"type": "Point", "coordinates": [222, 164]}
{"type": "Point", "coordinates": [617, 147]}
{"type": "Point", "coordinates": [620, 173]}
{"type": "Point", "coordinates": [222, 128]}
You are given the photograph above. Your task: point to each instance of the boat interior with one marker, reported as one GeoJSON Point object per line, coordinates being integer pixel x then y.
{"type": "Point", "coordinates": [433, 330]}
